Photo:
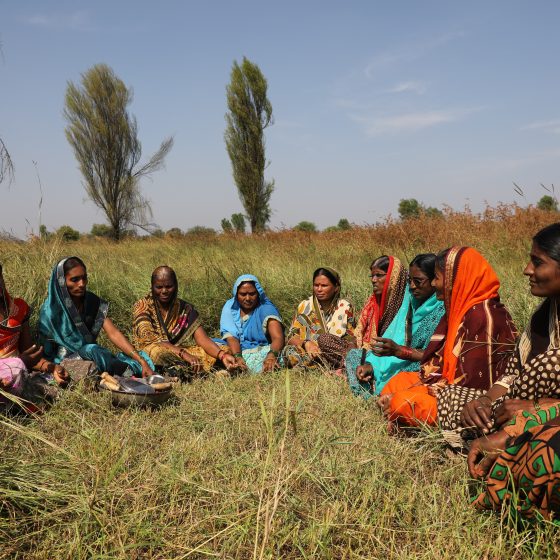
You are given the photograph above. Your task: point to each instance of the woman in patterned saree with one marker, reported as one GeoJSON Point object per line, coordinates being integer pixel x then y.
{"type": "Point", "coordinates": [71, 319]}
{"type": "Point", "coordinates": [470, 346]}
{"type": "Point", "coordinates": [398, 346]}
{"type": "Point", "coordinates": [323, 328]}
{"type": "Point", "coordinates": [532, 375]}
{"type": "Point", "coordinates": [521, 464]}
{"type": "Point", "coordinates": [17, 353]}
{"type": "Point", "coordinates": [169, 329]}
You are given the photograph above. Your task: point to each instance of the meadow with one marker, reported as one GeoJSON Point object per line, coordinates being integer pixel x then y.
{"type": "Point", "coordinates": [283, 465]}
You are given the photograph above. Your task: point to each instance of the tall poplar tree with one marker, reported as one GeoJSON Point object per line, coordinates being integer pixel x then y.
{"type": "Point", "coordinates": [250, 112]}
{"type": "Point", "coordinates": [104, 137]}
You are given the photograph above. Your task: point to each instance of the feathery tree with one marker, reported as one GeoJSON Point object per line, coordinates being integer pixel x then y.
{"type": "Point", "coordinates": [6, 165]}
{"type": "Point", "coordinates": [105, 141]}
{"type": "Point", "coordinates": [250, 112]}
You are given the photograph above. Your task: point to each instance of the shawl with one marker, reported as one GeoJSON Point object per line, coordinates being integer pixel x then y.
{"type": "Point", "coordinates": [17, 314]}
{"type": "Point", "coordinates": [62, 328]}
{"type": "Point", "coordinates": [413, 325]}
{"type": "Point", "coordinates": [149, 326]}
{"type": "Point", "coordinates": [376, 317]}
{"type": "Point", "coordinates": [476, 327]}
{"type": "Point", "coordinates": [251, 330]}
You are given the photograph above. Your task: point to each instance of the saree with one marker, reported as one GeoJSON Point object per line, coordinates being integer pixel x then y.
{"type": "Point", "coordinates": [376, 316]}
{"type": "Point", "coordinates": [332, 329]}
{"type": "Point", "coordinates": [67, 333]}
{"type": "Point", "coordinates": [532, 371]}
{"type": "Point", "coordinates": [413, 326]}
{"type": "Point", "coordinates": [17, 314]}
{"type": "Point", "coordinates": [526, 475]}
{"type": "Point", "coordinates": [470, 346]}
{"type": "Point", "coordinates": [251, 330]}
{"type": "Point", "coordinates": [150, 329]}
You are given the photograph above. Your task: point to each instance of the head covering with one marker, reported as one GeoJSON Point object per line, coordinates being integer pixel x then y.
{"type": "Point", "coordinates": [61, 325]}
{"type": "Point", "coordinates": [376, 317]}
{"type": "Point", "coordinates": [468, 279]}
{"type": "Point", "coordinates": [251, 330]}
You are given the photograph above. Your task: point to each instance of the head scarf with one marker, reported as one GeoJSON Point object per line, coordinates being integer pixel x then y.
{"type": "Point", "coordinates": [60, 323]}
{"type": "Point", "coordinates": [468, 279]}
{"type": "Point", "coordinates": [376, 317]}
{"type": "Point", "coordinates": [251, 331]}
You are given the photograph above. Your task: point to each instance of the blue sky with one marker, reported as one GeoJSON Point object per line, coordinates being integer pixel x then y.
{"type": "Point", "coordinates": [446, 102]}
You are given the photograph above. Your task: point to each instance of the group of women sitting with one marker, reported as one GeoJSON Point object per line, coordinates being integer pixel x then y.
{"type": "Point", "coordinates": [433, 345]}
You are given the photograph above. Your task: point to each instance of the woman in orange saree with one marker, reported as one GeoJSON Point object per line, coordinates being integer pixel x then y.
{"type": "Point", "coordinates": [470, 347]}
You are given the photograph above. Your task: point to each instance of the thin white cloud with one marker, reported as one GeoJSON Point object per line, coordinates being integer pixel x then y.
{"type": "Point", "coordinates": [408, 122]}
{"type": "Point", "coordinates": [76, 20]}
{"type": "Point", "coordinates": [409, 87]}
{"type": "Point", "coordinates": [408, 53]}
{"type": "Point", "coordinates": [552, 125]}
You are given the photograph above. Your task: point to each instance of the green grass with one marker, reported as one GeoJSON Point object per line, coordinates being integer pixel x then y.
{"type": "Point", "coordinates": [283, 465]}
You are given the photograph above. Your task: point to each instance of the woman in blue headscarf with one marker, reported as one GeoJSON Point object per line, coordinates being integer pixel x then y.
{"type": "Point", "coordinates": [252, 327]}
{"type": "Point", "coordinates": [402, 344]}
{"type": "Point", "coordinates": [71, 319]}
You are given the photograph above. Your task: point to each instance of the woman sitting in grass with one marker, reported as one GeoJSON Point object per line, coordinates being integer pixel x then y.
{"type": "Point", "coordinates": [532, 375]}
{"type": "Point", "coordinates": [251, 326]}
{"type": "Point", "coordinates": [406, 320]}
{"type": "Point", "coordinates": [323, 328]}
{"type": "Point", "coordinates": [18, 354]}
{"type": "Point", "coordinates": [169, 329]}
{"type": "Point", "coordinates": [71, 319]}
{"type": "Point", "coordinates": [469, 348]}
{"type": "Point", "coordinates": [521, 466]}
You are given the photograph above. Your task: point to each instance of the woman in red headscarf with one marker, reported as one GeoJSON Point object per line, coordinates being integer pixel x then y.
{"type": "Point", "coordinates": [469, 348]}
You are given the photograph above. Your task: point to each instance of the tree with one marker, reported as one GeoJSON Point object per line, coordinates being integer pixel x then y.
{"type": "Point", "coordinates": [226, 226]}
{"type": "Point", "coordinates": [6, 164]}
{"type": "Point", "coordinates": [250, 112]}
{"type": "Point", "coordinates": [548, 203]}
{"type": "Point", "coordinates": [174, 233]}
{"type": "Point", "coordinates": [200, 230]}
{"type": "Point", "coordinates": [238, 223]}
{"type": "Point", "coordinates": [101, 230]}
{"type": "Point", "coordinates": [344, 224]}
{"type": "Point", "coordinates": [68, 233]}
{"type": "Point", "coordinates": [306, 226]}
{"type": "Point", "coordinates": [104, 138]}
{"type": "Point", "coordinates": [409, 208]}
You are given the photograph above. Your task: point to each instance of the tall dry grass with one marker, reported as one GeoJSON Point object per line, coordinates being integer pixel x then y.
{"type": "Point", "coordinates": [286, 465]}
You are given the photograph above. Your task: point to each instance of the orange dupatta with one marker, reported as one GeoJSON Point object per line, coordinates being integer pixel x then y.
{"type": "Point", "coordinates": [468, 279]}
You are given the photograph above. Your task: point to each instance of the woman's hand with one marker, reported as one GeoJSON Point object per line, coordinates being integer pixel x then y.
{"type": "Point", "coordinates": [506, 411]}
{"type": "Point", "coordinates": [384, 346]}
{"type": "Point", "coordinates": [364, 373]}
{"type": "Point", "coordinates": [270, 363]}
{"type": "Point", "coordinates": [146, 369]}
{"type": "Point", "coordinates": [193, 361]}
{"type": "Point", "coordinates": [483, 453]}
{"type": "Point", "coordinates": [31, 356]}
{"type": "Point", "coordinates": [312, 348]}
{"type": "Point", "coordinates": [478, 413]}
{"type": "Point", "coordinates": [60, 375]}
{"type": "Point", "coordinates": [229, 361]}
{"type": "Point", "coordinates": [384, 403]}
{"type": "Point", "coordinates": [241, 363]}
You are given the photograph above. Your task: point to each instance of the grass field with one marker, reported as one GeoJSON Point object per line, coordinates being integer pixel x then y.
{"type": "Point", "coordinates": [283, 465]}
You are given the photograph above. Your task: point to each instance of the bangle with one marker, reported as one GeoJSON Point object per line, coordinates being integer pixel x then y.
{"type": "Point", "coordinates": [133, 353]}
{"type": "Point", "coordinates": [220, 352]}
{"type": "Point", "coordinates": [305, 340]}
{"type": "Point", "coordinates": [276, 353]}
{"type": "Point", "coordinates": [486, 397]}
{"type": "Point", "coordinates": [238, 355]}
{"type": "Point", "coordinates": [406, 353]}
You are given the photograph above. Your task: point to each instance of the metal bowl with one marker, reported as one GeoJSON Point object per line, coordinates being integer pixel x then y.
{"type": "Point", "coordinates": [123, 399]}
